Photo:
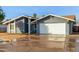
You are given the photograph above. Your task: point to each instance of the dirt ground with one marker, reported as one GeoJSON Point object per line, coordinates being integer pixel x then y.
{"type": "Point", "coordinates": [9, 37]}
{"type": "Point", "coordinates": [35, 42]}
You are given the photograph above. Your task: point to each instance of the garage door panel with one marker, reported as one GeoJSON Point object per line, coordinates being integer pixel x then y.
{"type": "Point", "coordinates": [55, 28]}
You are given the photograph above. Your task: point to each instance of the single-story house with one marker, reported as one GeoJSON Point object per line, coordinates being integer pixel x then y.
{"type": "Point", "coordinates": [49, 24]}
{"type": "Point", "coordinates": [53, 24]}
{"type": "Point", "coordinates": [20, 24]}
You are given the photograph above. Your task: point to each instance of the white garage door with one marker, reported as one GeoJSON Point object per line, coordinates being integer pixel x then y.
{"type": "Point", "coordinates": [55, 28]}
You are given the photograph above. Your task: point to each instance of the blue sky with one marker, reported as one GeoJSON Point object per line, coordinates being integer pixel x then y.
{"type": "Point", "coordinates": [14, 11]}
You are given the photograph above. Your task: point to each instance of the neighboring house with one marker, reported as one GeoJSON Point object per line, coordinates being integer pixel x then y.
{"type": "Point", "coordinates": [53, 24]}
{"type": "Point", "coordinates": [19, 24]}
{"type": "Point", "coordinates": [76, 28]}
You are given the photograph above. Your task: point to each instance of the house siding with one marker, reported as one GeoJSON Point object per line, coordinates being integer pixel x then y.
{"type": "Point", "coordinates": [26, 26]}
{"type": "Point", "coordinates": [71, 24]}
{"type": "Point", "coordinates": [20, 26]}
{"type": "Point", "coordinates": [53, 20]}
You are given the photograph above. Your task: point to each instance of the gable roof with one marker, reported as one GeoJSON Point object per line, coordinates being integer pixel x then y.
{"type": "Point", "coordinates": [69, 18]}
{"type": "Point", "coordinates": [7, 21]}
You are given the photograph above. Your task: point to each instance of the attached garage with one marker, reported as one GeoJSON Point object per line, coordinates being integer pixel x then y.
{"type": "Point", "coordinates": [52, 24]}
{"type": "Point", "coordinates": [52, 28]}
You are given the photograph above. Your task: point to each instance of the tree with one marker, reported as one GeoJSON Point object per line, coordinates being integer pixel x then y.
{"type": "Point", "coordinates": [2, 15]}
{"type": "Point", "coordinates": [34, 15]}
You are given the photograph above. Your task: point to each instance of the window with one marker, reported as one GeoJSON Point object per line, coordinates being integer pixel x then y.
{"type": "Point", "coordinates": [12, 27]}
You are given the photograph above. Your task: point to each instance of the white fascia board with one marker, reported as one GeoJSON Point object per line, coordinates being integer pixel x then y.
{"type": "Point", "coordinates": [53, 15]}
{"type": "Point", "coordinates": [14, 19]}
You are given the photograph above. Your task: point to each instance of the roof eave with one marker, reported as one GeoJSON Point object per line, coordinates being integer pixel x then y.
{"type": "Point", "coordinates": [53, 15]}
{"type": "Point", "coordinates": [14, 19]}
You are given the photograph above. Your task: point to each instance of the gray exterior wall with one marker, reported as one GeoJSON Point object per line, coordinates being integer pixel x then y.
{"type": "Point", "coordinates": [51, 19]}
{"type": "Point", "coordinates": [71, 24]}
{"type": "Point", "coordinates": [22, 25]}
